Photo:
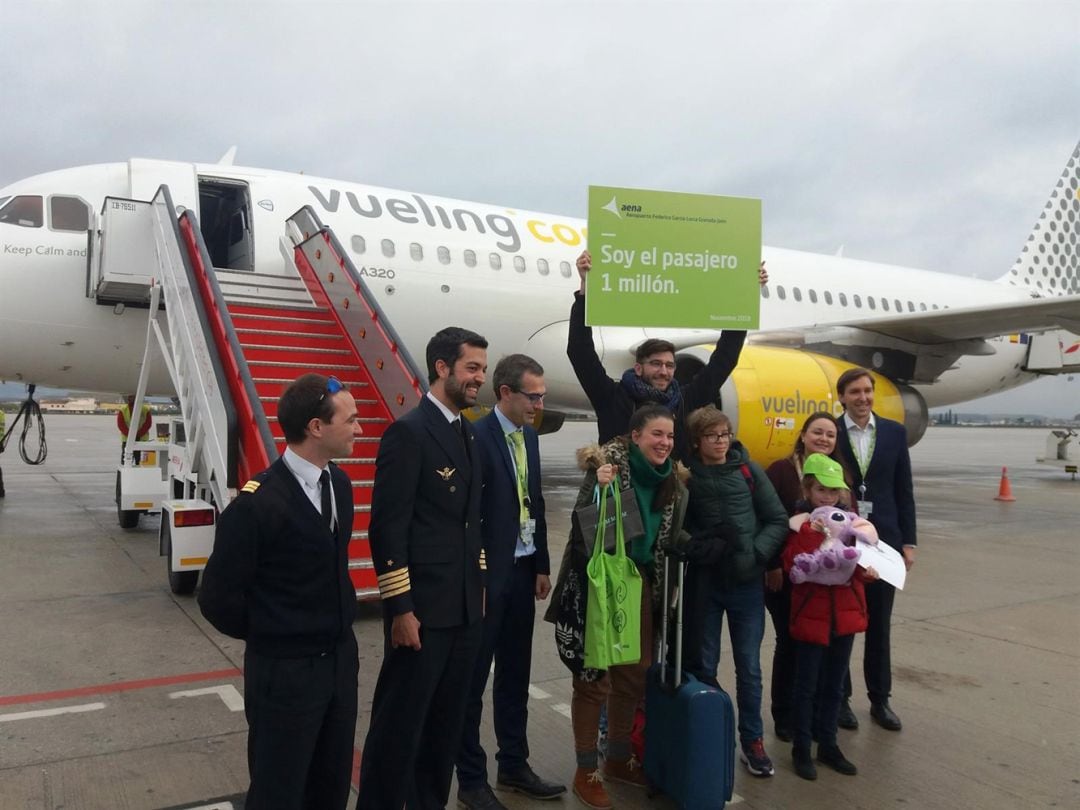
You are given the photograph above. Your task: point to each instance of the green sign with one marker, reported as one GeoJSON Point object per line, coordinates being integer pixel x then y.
{"type": "Point", "coordinates": [672, 260]}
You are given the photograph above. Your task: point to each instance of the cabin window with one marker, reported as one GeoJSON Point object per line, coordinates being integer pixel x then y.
{"type": "Point", "coordinates": [796, 293]}
{"type": "Point", "coordinates": [813, 296]}
{"type": "Point", "coordinates": [443, 253]}
{"type": "Point", "coordinates": [856, 301]}
{"type": "Point", "coordinates": [69, 214]}
{"type": "Point", "coordinates": [884, 304]}
{"type": "Point", "coordinates": [495, 260]}
{"type": "Point", "coordinates": [899, 305]}
{"type": "Point", "coordinates": [25, 211]}
{"type": "Point", "coordinates": [564, 268]}
{"type": "Point", "coordinates": [935, 306]}
{"type": "Point", "coordinates": [519, 264]}
{"type": "Point", "coordinates": [910, 306]}
{"type": "Point", "coordinates": [416, 251]}
{"type": "Point", "coordinates": [388, 249]}
{"type": "Point", "coordinates": [542, 267]}
{"type": "Point", "coordinates": [470, 258]}
{"type": "Point", "coordinates": [828, 297]}
{"type": "Point", "coordinates": [870, 302]}
{"type": "Point", "coordinates": [843, 299]}
{"type": "Point", "coordinates": [922, 306]}
{"type": "Point", "coordinates": [781, 293]}
{"type": "Point", "coordinates": [765, 291]}
{"type": "Point", "coordinates": [358, 244]}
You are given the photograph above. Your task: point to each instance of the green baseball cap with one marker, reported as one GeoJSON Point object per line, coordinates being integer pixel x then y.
{"type": "Point", "coordinates": [826, 470]}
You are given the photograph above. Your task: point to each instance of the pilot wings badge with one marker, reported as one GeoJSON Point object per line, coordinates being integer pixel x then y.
{"type": "Point", "coordinates": [446, 472]}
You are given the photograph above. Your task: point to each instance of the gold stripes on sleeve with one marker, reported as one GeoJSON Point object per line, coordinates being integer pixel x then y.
{"type": "Point", "coordinates": [483, 560]}
{"type": "Point", "coordinates": [394, 583]}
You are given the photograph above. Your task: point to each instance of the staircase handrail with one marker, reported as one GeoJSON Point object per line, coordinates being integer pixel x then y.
{"type": "Point", "coordinates": [256, 443]}
{"type": "Point", "coordinates": [314, 228]}
{"type": "Point", "coordinates": [212, 401]}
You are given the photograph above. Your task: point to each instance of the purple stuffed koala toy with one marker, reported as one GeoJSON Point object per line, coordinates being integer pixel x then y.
{"type": "Point", "coordinates": [834, 561]}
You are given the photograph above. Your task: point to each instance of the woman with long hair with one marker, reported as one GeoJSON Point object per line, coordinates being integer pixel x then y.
{"type": "Point", "coordinates": [818, 435]}
{"type": "Point", "coordinates": [640, 461]}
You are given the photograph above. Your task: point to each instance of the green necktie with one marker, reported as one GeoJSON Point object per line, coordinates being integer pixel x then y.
{"type": "Point", "coordinates": [517, 443]}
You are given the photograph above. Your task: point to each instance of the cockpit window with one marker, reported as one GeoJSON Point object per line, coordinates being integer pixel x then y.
{"type": "Point", "coordinates": [68, 214]}
{"type": "Point", "coordinates": [26, 211]}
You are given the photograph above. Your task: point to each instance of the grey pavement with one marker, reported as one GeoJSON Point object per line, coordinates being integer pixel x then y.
{"type": "Point", "coordinates": [99, 660]}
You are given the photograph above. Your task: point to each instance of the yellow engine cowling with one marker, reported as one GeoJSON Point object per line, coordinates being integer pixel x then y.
{"type": "Point", "coordinates": [773, 390]}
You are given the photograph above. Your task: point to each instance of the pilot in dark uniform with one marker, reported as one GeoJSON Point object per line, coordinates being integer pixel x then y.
{"type": "Point", "coordinates": [427, 551]}
{"type": "Point", "coordinates": [279, 579]}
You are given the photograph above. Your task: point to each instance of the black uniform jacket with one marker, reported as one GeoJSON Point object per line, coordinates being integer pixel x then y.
{"type": "Point", "coordinates": [612, 402]}
{"type": "Point", "coordinates": [887, 481]}
{"type": "Point", "coordinates": [501, 521]}
{"type": "Point", "coordinates": [425, 520]}
{"type": "Point", "coordinates": [277, 576]}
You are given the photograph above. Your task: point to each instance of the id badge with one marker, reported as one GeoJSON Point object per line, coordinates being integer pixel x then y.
{"type": "Point", "coordinates": [865, 508]}
{"type": "Point", "coordinates": [528, 529]}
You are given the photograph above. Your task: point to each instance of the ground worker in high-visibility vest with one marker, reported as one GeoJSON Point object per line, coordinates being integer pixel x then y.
{"type": "Point", "coordinates": [123, 422]}
{"type": "Point", "coordinates": [1, 450]}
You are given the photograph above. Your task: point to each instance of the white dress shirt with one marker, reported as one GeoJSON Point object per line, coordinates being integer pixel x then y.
{"type": "Point", "coordinates": [308, 476]}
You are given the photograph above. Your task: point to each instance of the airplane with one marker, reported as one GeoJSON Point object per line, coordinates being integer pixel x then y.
{"type": "Point", "coordinates": [931, 338]}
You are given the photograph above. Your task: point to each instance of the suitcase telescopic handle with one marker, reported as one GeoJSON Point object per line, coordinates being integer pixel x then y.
{"type": "Point", "coordinates": [679, 626]}
{"type": "Point", "coordinates": [664, 624]}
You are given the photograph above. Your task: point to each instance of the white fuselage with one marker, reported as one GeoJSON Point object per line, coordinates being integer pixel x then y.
{"type": "Point", "coordinates": [430, 261]}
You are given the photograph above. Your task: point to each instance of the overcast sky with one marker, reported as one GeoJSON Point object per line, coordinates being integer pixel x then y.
{"type": "Point", "coordinates": [922, 134]}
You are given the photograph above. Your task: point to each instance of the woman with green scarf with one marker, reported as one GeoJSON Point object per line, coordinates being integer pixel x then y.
{"type": "Point", "coordinates": [642, 462]}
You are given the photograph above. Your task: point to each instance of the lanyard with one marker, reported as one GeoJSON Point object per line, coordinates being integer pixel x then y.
{"type": "Point", "coordinates": [864, 461]}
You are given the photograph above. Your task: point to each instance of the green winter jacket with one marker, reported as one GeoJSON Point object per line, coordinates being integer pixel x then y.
{"type": "Point", "coordinates": [724, 494]}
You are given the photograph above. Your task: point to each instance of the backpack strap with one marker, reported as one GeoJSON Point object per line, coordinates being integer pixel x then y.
{"type": "Point", "coordinates": [748, 475]}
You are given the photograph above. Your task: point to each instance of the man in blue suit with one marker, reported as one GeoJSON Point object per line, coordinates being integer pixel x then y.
{"type": "Point", "coordinates": [876, 452]}
{"type": "Point", "coordinates": [514, 532]}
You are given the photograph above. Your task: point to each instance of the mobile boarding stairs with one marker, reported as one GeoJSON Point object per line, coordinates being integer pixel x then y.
{"type": "Point", "coordinates": [231, 341]}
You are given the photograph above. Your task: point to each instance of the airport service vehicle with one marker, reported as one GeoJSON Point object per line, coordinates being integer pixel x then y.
{"type": "Point", "coordinates": [80, 312]}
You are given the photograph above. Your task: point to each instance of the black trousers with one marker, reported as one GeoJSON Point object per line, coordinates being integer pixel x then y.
{"type": "Point", "coordinates": [877, 658]}
{"type": "Point", "coordinates": [416, 719]}
{"type": "Point", "coordinates": [819, 684]}
{"type": "Point", "coordinates": [301, 715]}
{"type": "Point", "coordinates": [508, 634]}
{"type": "Point", "coordinates": [782, 691]}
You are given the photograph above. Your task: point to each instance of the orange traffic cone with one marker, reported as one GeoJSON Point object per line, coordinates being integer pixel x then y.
{"type": "Point", "coordinates": [1005, 488]}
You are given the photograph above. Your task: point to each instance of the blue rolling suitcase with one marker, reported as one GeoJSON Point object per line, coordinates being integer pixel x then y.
{"type": "Point", "coordinates": [689, 727]}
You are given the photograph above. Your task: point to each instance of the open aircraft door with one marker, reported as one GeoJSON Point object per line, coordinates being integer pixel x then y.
{"type": "Point", "coordinates": [146, 176]}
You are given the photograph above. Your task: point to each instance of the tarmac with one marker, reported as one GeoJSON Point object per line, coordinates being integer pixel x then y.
{"type": "Point", "coordinates": [117, 695]}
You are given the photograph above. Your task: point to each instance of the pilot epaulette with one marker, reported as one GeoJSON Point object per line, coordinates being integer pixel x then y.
{"type": "Point", "coordinates": [251, 486]}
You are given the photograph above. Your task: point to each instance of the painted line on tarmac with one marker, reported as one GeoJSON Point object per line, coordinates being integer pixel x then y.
{"type": "Point", "coordinates": [561, 708]}
{"type": "Point", "coordinates": [234, 802]}
{"type": "Point", "coordinates": [538, 693]}
{"type": "Point", "coordinates": [85, 707]}
{"type": "Point", "coordinates": [232, 699]}
{"type": "Point", "coordinates": [120, 686]}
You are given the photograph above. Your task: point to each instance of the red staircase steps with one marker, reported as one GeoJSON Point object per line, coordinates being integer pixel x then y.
{"type": "Point", "coordinates": [279, 344]}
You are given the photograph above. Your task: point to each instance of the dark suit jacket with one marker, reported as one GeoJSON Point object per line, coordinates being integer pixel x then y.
{"type": "Point", "coordinates": [425, 520]}
{"type": "Point", "coordinates": [276, 577]}
{"type": "Point", "coordinates": [501, 516]}
{"type": "Point", "coordinates": [888, 481]}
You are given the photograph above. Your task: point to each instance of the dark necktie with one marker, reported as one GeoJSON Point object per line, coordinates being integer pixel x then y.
{"type": "Point", "coordinates": [324, 498]}
{"type": "Point", "coordinates": [460, 424]}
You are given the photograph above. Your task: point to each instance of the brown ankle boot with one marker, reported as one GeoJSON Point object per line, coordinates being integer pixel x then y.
{"type": "Point", "coordinates": [627, 770]}
{"type": "Point", "coordinates": [589, 787]}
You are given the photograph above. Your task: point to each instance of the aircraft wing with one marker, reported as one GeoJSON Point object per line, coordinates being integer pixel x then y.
{"type": "Point", "coordinates": [918, 347]}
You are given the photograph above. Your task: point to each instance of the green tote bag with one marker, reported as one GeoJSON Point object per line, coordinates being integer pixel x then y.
{"type": "Point", "coordinates": [613, 609]}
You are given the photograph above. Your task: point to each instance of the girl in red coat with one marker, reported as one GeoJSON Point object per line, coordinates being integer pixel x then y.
{"type": "Point", "coordinates": [824, 621]}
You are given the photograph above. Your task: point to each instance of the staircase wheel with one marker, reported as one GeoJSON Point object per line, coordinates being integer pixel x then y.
{"type": "Point", "coordinates": [182, 583]}
{"type": "Point", "coordinates": [127, 518]}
